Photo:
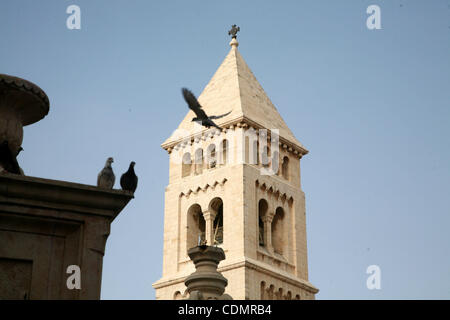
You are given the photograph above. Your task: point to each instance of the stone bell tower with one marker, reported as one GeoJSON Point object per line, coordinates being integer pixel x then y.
{"type": "Point", "coordinates": [238, 188]}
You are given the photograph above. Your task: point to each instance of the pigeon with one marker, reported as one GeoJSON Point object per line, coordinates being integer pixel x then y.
{"type": "Point", "coordinates": [199, 112]}
{"type": "Point", "coordinates": [129, 180]}
{"type": "Point", "coordinates": [8, 162]}
{"type": "Point", "coordinates": [20, 168]}
{"type": "Point", "coordinates": [106, 177]}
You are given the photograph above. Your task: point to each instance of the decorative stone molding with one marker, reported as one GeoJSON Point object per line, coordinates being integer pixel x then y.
{"type": "Point", "coordinates": [21, 103]}
{"type": "Point", "coordinates": [244, 123]}
{"type": "Point", "coordinates": [206, 283]}
{"type": "Point", "coordinates": [11, 82]}
{"type": "Point", "coordinates": [202, 188]}
{"type": "Point", "coordinates": [271, 292]}
{"type": "Point", "coordinates": [273, 192]}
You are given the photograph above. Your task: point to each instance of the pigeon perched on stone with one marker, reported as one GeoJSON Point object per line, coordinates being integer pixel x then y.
{"type": "Point", "coordinates": [8, 161]}
{"type": "Point", "coordinates": [129, 180]}
{"type": "Point", "coordinates": [106, 177]}
{"type": "Point", "coordinates": [201, 116]}
{"type": "Point", "coordinates": [20, 168]}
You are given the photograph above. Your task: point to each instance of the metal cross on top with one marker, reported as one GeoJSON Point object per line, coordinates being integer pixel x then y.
{"type": "Point", "coordinates": [233, 32]}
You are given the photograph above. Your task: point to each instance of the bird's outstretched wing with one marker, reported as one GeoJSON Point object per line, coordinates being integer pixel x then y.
{"type": "Point", "coordinates": [193, 104]}
{"type": "Point", "coordinates": [221, 116]}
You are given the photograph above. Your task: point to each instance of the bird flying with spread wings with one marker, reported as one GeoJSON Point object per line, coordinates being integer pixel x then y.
{"type": "Point", "coordinates": [199, 112]}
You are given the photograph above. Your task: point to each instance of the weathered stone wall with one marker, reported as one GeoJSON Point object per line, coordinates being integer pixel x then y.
{"type": "Point", "coordinates": [46, 226]}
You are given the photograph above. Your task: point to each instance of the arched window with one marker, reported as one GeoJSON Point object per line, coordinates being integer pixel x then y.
{"type": "Point", "coordinates": [263, 291]}
{"type": "Point", "coordinates": [275, 162]}
{"type": "Point", "coordinates": [278, 231]}
{"type": "Point", "coordinates": [211, 156]}
{"type": "Point", "coordinates": [285, 168]}
{"type": "Point", "coordinates": [265, 156]}
{"type": "Point", "coordinates": [195, 226]}
{"type": "Point", "coordinates": [216, 205]}
{"type": "Point", "coordinates": [251, 147]}
{"type": "Point", "coordinates": [255, 152]}
{"type": "Point", "coordinates": [218, 226]}
{"type": "Point", "coordinates": [186, 165]}
{"type": "Point", "coordinates": [279, 294]}
{"type": "Point", "coordinates": [246, 149]}
{"type": "Point", "coordinates": [262, 211]}
{"type": "Point", "coordinates": [224, 152]}
{"type": "Point", "coordinates": [198, 161]}
{"type": "Point", "coordinates": [177, 295]}
{"type": "Point", "coordinates": [270, 292]}
{"type": "Point", "coordinates": [288, 295]}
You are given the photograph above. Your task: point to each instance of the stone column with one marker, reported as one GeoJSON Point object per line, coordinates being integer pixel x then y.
{"type": "Point", "coordinates": [209, 217]}
{"type": "Point", "coordinates": [206, 283]}
{"type": "Point", "coordinates": [267, 219]}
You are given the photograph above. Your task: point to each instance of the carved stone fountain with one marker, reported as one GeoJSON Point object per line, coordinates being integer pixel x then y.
{"type": "Point", "coordinates": [206, 283]}
{"type": "Point", "coordinates": [21, 103]}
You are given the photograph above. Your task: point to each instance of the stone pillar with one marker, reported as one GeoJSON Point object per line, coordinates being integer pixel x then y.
{"type": "Point", "coordinates": [267, 219]}
{"type": "Point", "coordinates": [47, 226]}
{"type": "Point", "coordinates": [209, 217]}
{"type": "Point", "coordinates": [206, 283]}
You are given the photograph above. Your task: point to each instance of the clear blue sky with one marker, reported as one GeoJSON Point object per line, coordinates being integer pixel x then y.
{"type": "Point", "coordinates": [373, 108]}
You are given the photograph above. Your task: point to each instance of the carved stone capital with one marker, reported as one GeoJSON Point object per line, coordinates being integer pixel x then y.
{"type": "Point", "coordinates": [268, 218]}
{"type": "Point", "coordinates": [209, 215]}
{"type": "Point", "coordinates": [206, 283]}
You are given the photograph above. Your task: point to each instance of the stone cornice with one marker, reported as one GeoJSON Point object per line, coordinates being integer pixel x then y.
{"type": "Point", "coordinates": [266, 186]}
{"type": "Point", "coordinates": [251, 264]}
{"type": "Point", "coordinates": [241, 122]}
{"type": "Point", "coordinates": [281, 275]}
{"type": "Point", "coordinates": [203, 188]}
{"type": "Point", "coordinates": [62, 195]}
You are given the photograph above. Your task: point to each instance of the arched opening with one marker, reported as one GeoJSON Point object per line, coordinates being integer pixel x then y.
{"type": "Point", "coordinates": [177, 295]}
{"type": "Point", "coordinates": [255, 152]}
{"type": "Point", "coordinates": [297, 297]}
{"type": "Point", "coordinates": [270, 292]}
{"type": "Point", "coordinates": [224, 153]}
{"type": "Point", "coordinates": [262, 211]}
{"type": "Point", "coordinates": [265, 156]}
{"type": "Point", "coordinates": [186, 165]}
{"type": "Point", "coordinates": [195, 226]}
{"type": "Point", "coordinates": [275, 162]}
{"type": "Point", "coordinates": [246, 149]}
{"type": "Point", "coordinates": [216, 205]}
{"type": "Point", "coordinates": [285, 168]}
{"type": "Point", "coordinates": [198, 161]}
{"type": "Point", "coordinates": [263, 291]}
{"type": "Point", "coordinates": [278, 231]}
{"type": "Point", "coordinates": [211, 156]}
{"type": "Point", "coordinates": [288, 296]}
{"type": "Point", "coordinates": [251, 147]}
{"type": "Point", "coordinates": [279, 294]}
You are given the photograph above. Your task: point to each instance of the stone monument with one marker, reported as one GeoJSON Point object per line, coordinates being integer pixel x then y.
{"type": "Point", "coordinates": [206, 283]}
{"type": "Point", "coordinates": [238, 188]}
{"type": "Point", "coordinates": [48, 227]}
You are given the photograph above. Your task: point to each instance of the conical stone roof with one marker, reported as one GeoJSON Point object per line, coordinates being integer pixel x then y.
{"type": "Point", "coordinates": [234, 88]}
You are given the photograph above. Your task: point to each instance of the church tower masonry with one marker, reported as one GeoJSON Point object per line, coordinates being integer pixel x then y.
{"type": "Point", "coordinates": [238, 188]}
